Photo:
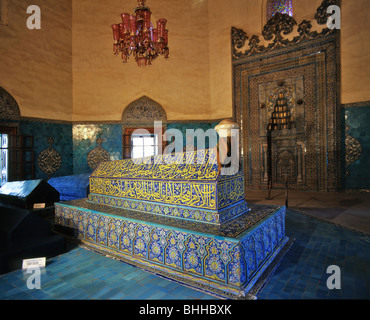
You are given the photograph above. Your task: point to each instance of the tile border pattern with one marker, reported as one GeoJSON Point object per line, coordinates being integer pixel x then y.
{"type": "Point", "coordinates": [229, 266]}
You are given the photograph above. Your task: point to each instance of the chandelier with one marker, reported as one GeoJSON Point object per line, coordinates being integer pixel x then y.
{"type": "Point", "coordinates": [136, 36]}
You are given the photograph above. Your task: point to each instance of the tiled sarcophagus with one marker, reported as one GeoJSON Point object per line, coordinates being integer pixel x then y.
{"type": "Point", "coordinates": [181, 220]}
{"type": "Point", "coordinates": [183, 185]}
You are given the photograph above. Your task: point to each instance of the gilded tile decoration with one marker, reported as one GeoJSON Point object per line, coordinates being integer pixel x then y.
{"type": "Point", "coordinates": [201, 165]}
{"type": "Point", "coordinates": [230, 191]}
{"type": "Point", "coordinates": [306, 70]}
{"type": "Point", "coordinates": [197, 214]}
{"type": "Point", "coordinates": [49, 160]}
{"type": "Point", "coordinates": [97, 155]}
{"type": "Point", "coordinates": [200, 195]}
{"type": "Point", "coordinates": [183, 185]}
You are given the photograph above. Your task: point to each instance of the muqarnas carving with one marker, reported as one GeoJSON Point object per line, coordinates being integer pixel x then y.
{"type": "Point", "coordinates": [281, 117]}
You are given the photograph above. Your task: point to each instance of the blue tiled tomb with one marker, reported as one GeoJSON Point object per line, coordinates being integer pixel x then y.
{"type": "Point", "coordinates": [186, 222]}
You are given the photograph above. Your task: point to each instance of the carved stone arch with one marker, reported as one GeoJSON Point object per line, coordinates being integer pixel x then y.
{"type": "Point", "coordinates": [142, 113]}
{"type": "Point", "coordinates": [9, 108]}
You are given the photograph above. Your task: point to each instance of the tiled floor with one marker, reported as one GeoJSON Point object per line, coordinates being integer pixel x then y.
{"type": "Point", "coordinates": [83, 274]}
{"type": "Point", "coordinates": [302, 273]}
{"type": "Point", "coordinates": [348, 209]}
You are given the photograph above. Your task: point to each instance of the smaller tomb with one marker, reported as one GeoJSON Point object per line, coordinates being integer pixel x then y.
{"type": "Point", "coordinates": [28, 194]}
{"type": "Point", "coordinates": [71, 187]}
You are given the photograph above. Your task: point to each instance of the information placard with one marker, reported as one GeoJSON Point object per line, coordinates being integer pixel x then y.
{"type": "Point", "coordinates": [34, 263]}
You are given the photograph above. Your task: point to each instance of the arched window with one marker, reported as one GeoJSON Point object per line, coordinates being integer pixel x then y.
{"type": "Point", "coordinates": [282, 6]}
{"type": "Point", "coordinates": [141, 114]}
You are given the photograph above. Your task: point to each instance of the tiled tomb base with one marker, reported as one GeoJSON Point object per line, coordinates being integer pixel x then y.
{"type": "Point", "coordinates": [227, 261]}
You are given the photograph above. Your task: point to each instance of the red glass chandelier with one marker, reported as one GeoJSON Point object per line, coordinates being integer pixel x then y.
{"type": "Point", "coordinates": [136, 36]}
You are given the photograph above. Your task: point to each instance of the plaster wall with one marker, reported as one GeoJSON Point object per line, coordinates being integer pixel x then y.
{"type": "Point", "coordinates": [36, 65]}
{"type": "Point", "coordinates": [67, 70]}
{"type": "Point", "coordinates": [355, 51]}
{"type": "Point", "coordinates": [103, 86]}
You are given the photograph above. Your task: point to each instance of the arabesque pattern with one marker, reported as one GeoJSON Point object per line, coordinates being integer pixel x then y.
{"type": "Point", "coordinates": [224, 263]}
